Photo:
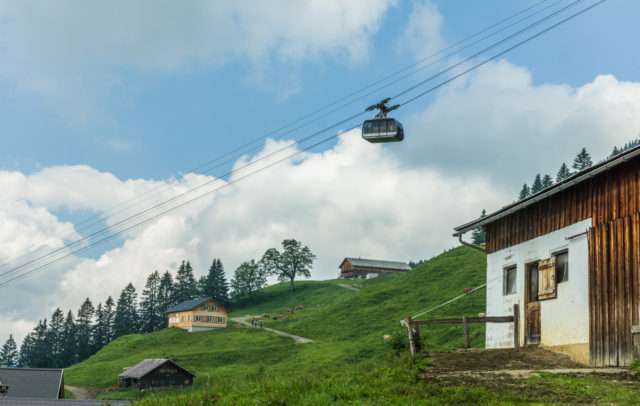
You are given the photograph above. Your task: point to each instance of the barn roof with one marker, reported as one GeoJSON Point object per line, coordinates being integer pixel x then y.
{"type": "Point", "coordinates": [374, 263]}
{"type": "Point", "coordinates": [32, 382]}
{"type": "Point", "coordinates": [571, 181]}
{"type": "Point", "coordinates": [192, 304]}
{"type": "Point", "coordinates": [143, 367]}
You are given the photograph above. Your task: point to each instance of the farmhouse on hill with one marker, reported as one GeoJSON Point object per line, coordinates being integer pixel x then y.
{"type": "Point", "coordinates": [156, 373]}
{"type": "Point", "coordinates": [36, 383]}
{"type": "Point", "coordinates": [570, 256]}
{"type": "Point", "coordinates": [198, 315]}
{"type": "Point", "coordinates": [358, 268]}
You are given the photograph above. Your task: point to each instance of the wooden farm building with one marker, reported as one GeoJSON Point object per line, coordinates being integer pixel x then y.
{"type": "Point", "coordinates": [34, 383]}
{"type": "Point", "coordinates": [570, 256]}
{"type": "Point", "coordinates": [156, 373]}
{"type": "Point", "coordinates": [358, 268]}
{"type": "Point", "coordinates": [198, 315]}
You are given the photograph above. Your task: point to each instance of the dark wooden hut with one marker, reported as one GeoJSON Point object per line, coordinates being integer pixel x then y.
{"type": "Point", "coordinates": [156, 373]}
{"type": "Point", "coordinates": [354, 268]}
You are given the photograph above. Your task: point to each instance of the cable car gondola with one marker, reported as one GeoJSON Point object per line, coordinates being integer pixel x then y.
{"type": "Point", "coordinates": [382, 128]}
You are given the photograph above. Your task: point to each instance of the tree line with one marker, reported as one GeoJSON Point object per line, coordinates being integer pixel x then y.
{"type": "Point", "coordinates": [65, 340]}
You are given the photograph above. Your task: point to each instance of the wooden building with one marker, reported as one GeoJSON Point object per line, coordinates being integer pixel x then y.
{"type": "Point", "coordinates": [34, 383]}
{"type": "Point", "coordinates": [198, 315]}
{"type": "Point", "coordinates": [570, 255]}
{"type": "Point", "coordinates": [355, 268]}
{"type": "Point", "coordinates": [156, 373]}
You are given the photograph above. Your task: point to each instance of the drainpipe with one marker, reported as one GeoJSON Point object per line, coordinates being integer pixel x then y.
{"type": "Point", "coordinates": [470, 245]}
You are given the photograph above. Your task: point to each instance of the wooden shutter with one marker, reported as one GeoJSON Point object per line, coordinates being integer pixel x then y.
{"type": "Point", "coordinates": [547, 279]}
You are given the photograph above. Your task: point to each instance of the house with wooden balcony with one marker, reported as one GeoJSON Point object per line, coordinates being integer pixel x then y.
{"type": "Point", "coordinates": [358, 268]}
{"type": "Point", "coordinates": [569, 255]}
{"type": "Point", "coordinates": [198, 315]}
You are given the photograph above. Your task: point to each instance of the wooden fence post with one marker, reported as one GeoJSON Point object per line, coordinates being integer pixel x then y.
{"type": "Point", "coordinates": [465, 328]}
{"type": "Point", "coordinates": [412, 343]}
{"type": "Point", "coordinates": [516, 326]}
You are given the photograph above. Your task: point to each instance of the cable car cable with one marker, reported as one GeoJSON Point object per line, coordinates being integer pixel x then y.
{"type": "Point", "coordinates": [100, 216]}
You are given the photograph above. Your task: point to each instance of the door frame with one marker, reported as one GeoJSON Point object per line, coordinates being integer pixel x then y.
{"type": "Point", "coordinates": [532, 304]}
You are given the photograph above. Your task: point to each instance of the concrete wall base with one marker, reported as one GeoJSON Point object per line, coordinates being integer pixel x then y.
{"type": "Point", "coordinates": [577, 352]}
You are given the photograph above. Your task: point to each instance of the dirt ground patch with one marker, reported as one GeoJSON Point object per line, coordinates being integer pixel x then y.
{"type": "Point", "coordinates": [500, 359]}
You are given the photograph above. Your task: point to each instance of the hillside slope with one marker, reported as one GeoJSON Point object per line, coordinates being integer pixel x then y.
{"type": "Point", "coordinates": [346, 329]}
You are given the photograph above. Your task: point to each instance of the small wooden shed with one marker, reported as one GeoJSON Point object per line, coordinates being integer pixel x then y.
{"type": "Point", "coordinates": [156, 373]}
{"type": "Point", "coordinates": [570, 256]}
{"type": "Point", "coordinates": [358, 268]}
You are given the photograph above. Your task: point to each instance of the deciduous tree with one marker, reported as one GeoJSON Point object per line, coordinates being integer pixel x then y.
{"type": "Point", "coordinates": [295, 260]}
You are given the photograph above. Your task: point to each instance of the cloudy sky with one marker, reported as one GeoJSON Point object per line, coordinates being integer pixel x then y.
{"type": "Point", "coordinates": [151, 119]}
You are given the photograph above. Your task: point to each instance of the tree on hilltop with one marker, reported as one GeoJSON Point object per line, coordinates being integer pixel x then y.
{"type": "Point", "coordinates": [150, 312]}
{"type": "Point", "coordinates": [537, 184]}
{"type": "Point", "coordinates": [546, 181]}
{"type": "Point", "coordinates": [9, 353]}
{"type": "Point", "coordinates": [524, 192]}
{"type": "Point", "coordinates": [126, 317]}
{"type": "Point", "coordinates": [165, 296]}
{"type": "Point", "coordinates": [582, 160]}
{"type": "Point", "coordinates": [248, 278]}
{"type": "Point", "coordinates": [84, 324]}
{"type": "Point", "coordinates": [563, 173]}
{"type": "Point", "coordinates": [185, 284]}
{"type": "Point", "coordinates": [215, 283]}
{"type": "Point", "coordinates": [294, 260]}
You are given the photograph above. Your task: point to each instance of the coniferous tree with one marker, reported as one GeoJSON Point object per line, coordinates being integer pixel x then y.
{"type": "Point", "coordinates": [84, 324]}
{"type": "Point", "coordinates": [185, 285]}
{"type": "Point", "coordinates": [126, 317]}
{"type": "Point", "coordinates": [69, 351]}
{"type": "Point", "coordinates": [202, 288]}
{"type": "Point", "coordinates": [150, 314]}
{"type": "Point", "coordinates": [216, 282]}
{"type": "Point", "coordinates": [478, 235]}
{"type": "Point", "coordinates": [55, 335]}
{"type": "Point", "coordinates": [546, 181]}
{"type": "Point", "coordinates": [28, 350]}
{"type": "Point", "coordinates": [100, 330]}
{"type": "Point", "coordinates": [582, 160]}
{"type": "Point", "coordinates": [9, 353]}
{"type": "Point", "coordinates": [109, 314]}
{"type": "Point", "coordinates": [165, 296]}
{"type": "Point", "coordinates": [537, 184]}
{"type": "Point", "coordinates": [36, 352]}
{"type": "Point", "coordinates": [614, 152]}
{"type": "Point", "coordinates": [524, 192]}
{"type": "Point", "coordinates": [563, 173]}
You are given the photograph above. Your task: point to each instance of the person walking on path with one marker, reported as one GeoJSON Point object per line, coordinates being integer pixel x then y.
{"type": "Point", "coordinates": [260, 323]}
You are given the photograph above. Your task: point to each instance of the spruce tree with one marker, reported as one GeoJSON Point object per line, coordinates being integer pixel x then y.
{"type": "Point", "coordinates": [216, 282]}
{"type": "Point", "coordinates": [185, 286]}
{"type": "Point", "coordinates": [524, 192]}
{"type": "Point", "coordinates": [582, 160]}
{"type": "Point", "coordinates": [84, 324]}
{"type": "Point", "coordinates": [55, 338]}
{"type": "Point", "coordinates": [126, 317]}
{"type": "Point", "coordinates": [108, 313]}
{"type": "Point", "coordinates": [478, 235]}
{"type": "Point", "coordinates": [150, 313]}
{"type": "Point", "coordinates": [546, 181]}
{"type": "Point", "coordinates": [69, 350]}
{"type": "Point", "coordinates": [165, 296]}
{"type": "Point", "coordinates": [27, 355]}
{"type": "Point", "coordinates": [563, 173]}
{"type": "Point", "coordinates": [537, 184]}
{"type": "Point", "coordinates": [100, 330]}
{"type": "Point", "coordinates": [9, 353]}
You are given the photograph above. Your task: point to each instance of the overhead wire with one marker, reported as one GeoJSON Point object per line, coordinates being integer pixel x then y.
{"type": "Point", "coordinates": [100, 217]}
{"type": "Point", "coordinates": [5, 283]}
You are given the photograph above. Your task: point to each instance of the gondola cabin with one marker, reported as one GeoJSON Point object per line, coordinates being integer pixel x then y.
{"type": "Point", "coordinates": [382, 130]}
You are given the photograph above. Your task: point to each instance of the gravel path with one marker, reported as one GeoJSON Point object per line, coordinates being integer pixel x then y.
{"type": "Point", "coordinates": [297, 339]}
{"type": "Point", "coordinates": [80, 392]}
{"type": "Point", "coordinates": [344, 285]}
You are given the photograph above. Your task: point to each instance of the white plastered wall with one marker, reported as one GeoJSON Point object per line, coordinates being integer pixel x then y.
{"type": "Point", "coordinates": [564, 320]}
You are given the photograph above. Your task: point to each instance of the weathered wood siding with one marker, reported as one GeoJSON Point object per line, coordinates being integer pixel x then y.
{"type": "Point", "coordinates": [176, 318]}
{"type": "Point", "coordinates": [611, 199]}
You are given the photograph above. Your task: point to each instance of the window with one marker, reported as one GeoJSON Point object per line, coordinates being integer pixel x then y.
{"type": "Point", "coordinates": [220, 319]}
{"type": "Point", "coordinates": [214, 308]}
{"type": "Point", "coordinates": [162, 370]}
{"type": "Point", "coordinates": [182, 319]}
{"type": "Point", "coordinates": [209, 319]}
{"type": "Point", "coordinates": [562, 266]}
{"type": "Point", "coordinates": [510, 280]}
{"type": "Point", "coordinates": [206, 307]}
{"type": "Point", "coordinates": [188, 318]}
{"type": "Point", "coordinates": [197, 318]}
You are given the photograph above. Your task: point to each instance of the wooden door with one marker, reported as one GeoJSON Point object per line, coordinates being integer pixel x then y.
{"type": "Point", "coordinates": [532, 314]}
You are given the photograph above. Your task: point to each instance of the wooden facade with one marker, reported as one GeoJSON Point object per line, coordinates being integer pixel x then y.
{"type": "Point", "coordinates": [156, 374]}
{"type": "Point", "coordinates": [357, 268]}
{"type": "Point", "coordinates": [610, 199]}
{"type": "Point", "coordinates": [198, 315]}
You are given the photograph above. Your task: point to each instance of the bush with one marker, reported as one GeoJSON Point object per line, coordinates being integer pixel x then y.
{"type": "Point", "coordinates": [399, 341]}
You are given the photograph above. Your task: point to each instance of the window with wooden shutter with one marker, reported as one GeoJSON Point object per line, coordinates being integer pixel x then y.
{"type": "Point", "coordinates": [547, 279]}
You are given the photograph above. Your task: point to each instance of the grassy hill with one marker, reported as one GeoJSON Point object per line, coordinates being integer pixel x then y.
{"type": "Point", "coordinates": [347, 329]}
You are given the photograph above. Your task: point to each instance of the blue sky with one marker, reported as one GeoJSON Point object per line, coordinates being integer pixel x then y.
{"type": "Point", "coordinates": [102, 102]}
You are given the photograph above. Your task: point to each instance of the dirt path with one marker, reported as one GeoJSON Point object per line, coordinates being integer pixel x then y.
{"type": "Point", "coordinates": [82, 392]}
{"type": "Point", "coordinates": [297, 339]}
{"type": "Point", "coordinates": [344, 285]}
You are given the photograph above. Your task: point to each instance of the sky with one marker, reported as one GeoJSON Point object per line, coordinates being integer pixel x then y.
{"type": "Point", "coordinates": [152, 117]}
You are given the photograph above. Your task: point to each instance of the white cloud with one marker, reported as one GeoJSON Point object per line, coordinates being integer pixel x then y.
{"type": "Point", "coordinates": [70, 51]}
{"type": "Point", "coordinates": [355, 199]}
{"type": "Point", "coordinates": [501, 126]}
{"type": "Point", "coordinates": [423, 34]}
